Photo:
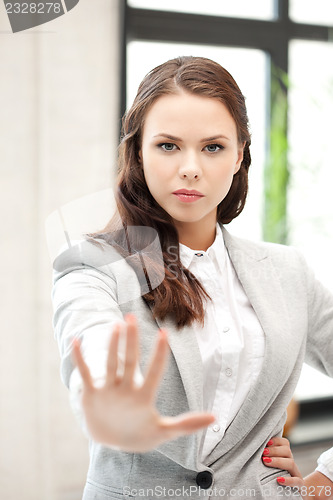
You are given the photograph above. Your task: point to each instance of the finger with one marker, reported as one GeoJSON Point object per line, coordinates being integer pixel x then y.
{"type": "Point", "coordinates": [294, 482]}
{"type": "Point", "coordinates": [278, 451]}
{"type": "Point", "coordinates": [156, 368]}
{"type": "Point", "coordinates": [112, 360]}
{"type": "Point", "coordinates": [132, 350]}
{"type": "Point", "coordinates": [282, 463]}
{"type": "Point", "coordinates": [81, 364]}
{"type": "Point", "coordinates": [186, 423]}
{"type": "Point", "coordinates": [278, 441]}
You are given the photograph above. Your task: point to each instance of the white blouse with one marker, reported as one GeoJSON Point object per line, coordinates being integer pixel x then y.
{"type": "Point", "coordinates": [325, 463]}
{"type": "Point", "coordinates": [231, 343]}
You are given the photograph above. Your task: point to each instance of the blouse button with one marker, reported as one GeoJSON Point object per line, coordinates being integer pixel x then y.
{"type": "Point", "coordinates": [226, 329]}
{"type": "Point", "coordinates": [228, 372]}
{"type": "Point", "coordinates": [216, 428]}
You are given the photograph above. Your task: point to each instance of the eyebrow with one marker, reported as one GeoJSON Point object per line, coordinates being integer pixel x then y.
{"type": "Point", "coordinates": [173, 138]}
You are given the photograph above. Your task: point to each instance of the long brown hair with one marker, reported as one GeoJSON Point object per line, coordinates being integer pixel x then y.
{"type": "Point", "coordinates": [180, 294]}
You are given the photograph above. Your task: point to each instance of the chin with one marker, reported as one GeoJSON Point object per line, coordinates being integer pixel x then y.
{"type": "Point", "coordinates": [184, 220]}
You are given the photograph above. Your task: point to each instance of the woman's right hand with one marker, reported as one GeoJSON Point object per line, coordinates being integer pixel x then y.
{"type": "Point", "coordinates": [123, 415]}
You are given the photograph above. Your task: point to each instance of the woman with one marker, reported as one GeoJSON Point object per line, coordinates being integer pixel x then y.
{"type": "Point", "coordinates": [239, 316]}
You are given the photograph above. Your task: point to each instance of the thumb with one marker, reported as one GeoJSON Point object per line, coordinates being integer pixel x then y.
{"type": "Point", "coordinates": [187, 423]}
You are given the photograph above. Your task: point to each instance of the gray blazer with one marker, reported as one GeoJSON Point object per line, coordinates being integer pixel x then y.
{"type": "Point", "coordinates": [296, 314]}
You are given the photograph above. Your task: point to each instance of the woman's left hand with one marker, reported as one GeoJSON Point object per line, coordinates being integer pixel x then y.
{"type": "Point", "coordinates": [278, 454]}
{"type": "Point", "coordinates": [315, 486]}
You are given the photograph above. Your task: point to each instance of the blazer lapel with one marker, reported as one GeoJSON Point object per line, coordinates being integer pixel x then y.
{"type": "Point", "coordinates": [261, 284]}
{"type": "Point", "coordinates": [185, 351]}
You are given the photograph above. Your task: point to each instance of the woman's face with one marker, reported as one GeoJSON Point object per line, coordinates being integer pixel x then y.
{"type": "Point", "coordinates": [189, 142]}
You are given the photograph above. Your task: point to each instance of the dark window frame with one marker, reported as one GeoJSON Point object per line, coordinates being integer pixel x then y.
{"type": "Point", "coordinates": [272, 36]}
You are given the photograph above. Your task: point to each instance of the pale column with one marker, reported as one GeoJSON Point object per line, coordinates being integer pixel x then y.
{"type": "Point", "coordinates": [58, 139]}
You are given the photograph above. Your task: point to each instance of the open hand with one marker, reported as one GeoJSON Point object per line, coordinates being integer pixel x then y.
{"type": "Point", "coordinates": [119, 413]}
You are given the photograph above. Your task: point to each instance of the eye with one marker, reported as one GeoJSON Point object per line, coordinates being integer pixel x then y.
{"type": "Point", "coordinates": [167, 146]}
{"type": "Point", "coordinates": [213, 148]}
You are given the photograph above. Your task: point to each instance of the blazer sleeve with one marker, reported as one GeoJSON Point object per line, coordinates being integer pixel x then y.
{"type": "Point", "coordinates": [319, 351]}
{"type": "Point", "coordinates": [85, 305]}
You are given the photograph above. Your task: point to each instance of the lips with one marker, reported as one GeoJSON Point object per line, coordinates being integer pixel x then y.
{"type": "Point", "coordinates": [188, 192]}
{"type": "Point", "coordinates": [188, 195]}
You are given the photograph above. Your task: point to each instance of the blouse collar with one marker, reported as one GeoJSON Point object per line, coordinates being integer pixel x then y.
{"type": "Point", "coordinates": [216, 251]}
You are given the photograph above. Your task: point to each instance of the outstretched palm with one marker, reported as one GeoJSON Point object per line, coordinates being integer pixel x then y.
{"type": "Point", "coordinates": [123, 415]}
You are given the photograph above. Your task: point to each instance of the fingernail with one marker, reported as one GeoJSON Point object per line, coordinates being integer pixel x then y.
{"type": "Point", "coordinates": [267, 460]}
{"type": "Point", "coordinates": [266, 451]}
{"type": "Point", "coordinates": [280, 479]}
{"type": "Point", "coordinates": [270, 442]}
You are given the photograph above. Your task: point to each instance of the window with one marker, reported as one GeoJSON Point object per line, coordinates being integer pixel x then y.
{"type": "Point", "coordinates": [278, 52]}
{"type": "Point", "coordinates": [310, 208]}
{"type": "Point", "coordinates": [249, 67]}
{"type": "Point", "coordinates": [307, 11]}
{"type": "Point", "coordinates": [256, 9]}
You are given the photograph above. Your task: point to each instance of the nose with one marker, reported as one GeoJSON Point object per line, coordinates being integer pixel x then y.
{"type": "Point", "coordinates": [190, 167]}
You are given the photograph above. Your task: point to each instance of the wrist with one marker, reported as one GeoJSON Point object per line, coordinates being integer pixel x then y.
{"type": "Point", "coordinates": [318, 486]}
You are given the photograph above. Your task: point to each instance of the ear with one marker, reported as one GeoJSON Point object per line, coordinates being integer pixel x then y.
{"type": "Point", "coordinates": [239, 157]}
{"type": "Point", "coordinates": [140, 156]}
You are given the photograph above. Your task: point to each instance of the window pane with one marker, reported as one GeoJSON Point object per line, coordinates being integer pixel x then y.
{"type": "Point", "coordinates": [313, 385]}
{"type": "Point", "coordinates": [310, 207]}
{"type": "Point", "coordinates": [254, 9]}
{"type": "Point", "coordinates": [248, 67]}
{"type": "Point", "coordinates": [308, 11]}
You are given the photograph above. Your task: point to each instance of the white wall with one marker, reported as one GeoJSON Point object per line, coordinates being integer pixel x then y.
{"type": "Point", "coordinates": [58, 138]}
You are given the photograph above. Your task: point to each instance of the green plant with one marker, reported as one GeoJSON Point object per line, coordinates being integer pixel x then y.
{"type": "Point", "coordinates": [276, 172]}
